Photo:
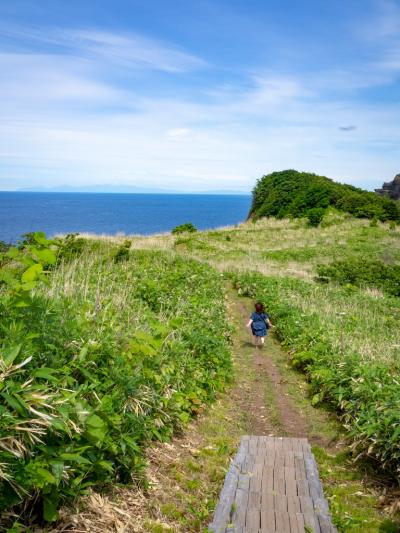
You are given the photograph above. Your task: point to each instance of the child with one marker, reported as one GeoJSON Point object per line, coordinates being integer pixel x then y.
{"type": "Point", "coordinates": [260, 323]}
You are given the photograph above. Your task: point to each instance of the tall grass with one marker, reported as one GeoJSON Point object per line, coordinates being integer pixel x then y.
{"type": "Point", "coordinates": [357, 376]}
{"type": "Point", "coordinates": [106, 356]}
{"type": "Point", "coordinates": [346, 337]}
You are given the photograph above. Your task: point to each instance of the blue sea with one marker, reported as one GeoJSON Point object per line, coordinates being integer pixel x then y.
{"type": "Point", "coordinates": [144, 214]}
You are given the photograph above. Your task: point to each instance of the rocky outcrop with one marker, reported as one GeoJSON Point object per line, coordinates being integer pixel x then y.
{"type": "Point", "coordinates": [391, 189]}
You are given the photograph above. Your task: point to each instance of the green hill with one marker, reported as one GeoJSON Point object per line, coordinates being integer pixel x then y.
{"type": "Point", "coordinates": [293, 194]}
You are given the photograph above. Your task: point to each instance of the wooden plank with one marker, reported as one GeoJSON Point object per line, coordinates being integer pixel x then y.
{"type": "Point", "coordinates": [256, 481]}
{"type": "Point", "coordinates": [253, 520]}
{"type": "Point", "coordinates": [272, 486]}
{"type": "Point", "coordinates": [282, 522]}
{"type": "Point", "coordinates": [311, 522]}
{"type": "Point", "coordinates": [253, 444]}
{"type": "Point", "coordinates": [320, 504]}
{"type": "Point", "coordinates": [240, 508]}
{"type": "Point", "coordinates": [326, 525]}
{"type": "Point", "coordinates": [254, 499]}
{"type": "Point", "coordinates": [313, 478]}
{"type": "Point", "coordinates": [302, 487]}
{"type": "Point", "coordinates": [222, 515]}
{"type": "Point", "coordinates": [297, 446]}
{"type": "Point", "coordinates": [270, 448]}
{"type": "Point", "coordinates": [289, 459]}
{"type": "Point", "coordinates": [299, 518]}
{"type": "Point", "coordinates": [300, 467]}
{"type": "Point", "coordinates": [267, 519]}
{"type": "Point", "coordinates": [290, 481]}
{"type": "Point", "coordinates": [279, 479]}
{"type": "Point", "coordinates": [306, 505]}
{"type": "Point", "coordinates": [267, 482]}
{"type": "Point", "coordinates": [267, 501]}
{"type": "Point", "coordinates": [305, 445]}
{"type": "Point", "coordinates": [280, 503]}
{"type": "Point", "coordinates": [295, 527]}
{"type": "Point", "coordinates": [248, 464]}
{"type": "Point", "coordinates": [293, 504]}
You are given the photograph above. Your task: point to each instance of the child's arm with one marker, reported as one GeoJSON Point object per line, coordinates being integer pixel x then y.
{"type": "Point", "coordinates": [269, 323]}
{"type": "Point", "coordinates": [249, 323]}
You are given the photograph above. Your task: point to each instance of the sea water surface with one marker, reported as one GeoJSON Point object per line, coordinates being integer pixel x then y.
{"type": "Point", "coordinates": [144, 214]}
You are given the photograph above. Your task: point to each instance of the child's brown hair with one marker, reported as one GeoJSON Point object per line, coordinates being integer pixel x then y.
{"type": "Point", "coordinates": [259, 307]}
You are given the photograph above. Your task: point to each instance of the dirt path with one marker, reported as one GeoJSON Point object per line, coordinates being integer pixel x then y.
{"type": "Point", "coordinates": [185, 476]}
{"type": "Point", "coordinates": [279, 413]}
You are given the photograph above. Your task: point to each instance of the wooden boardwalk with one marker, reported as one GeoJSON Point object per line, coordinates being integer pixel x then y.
{"type": "Point", "coordinates": [272, 486]}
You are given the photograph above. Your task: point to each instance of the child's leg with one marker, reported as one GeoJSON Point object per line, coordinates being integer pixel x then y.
{"type": "Point", "coordinates": [262, 340]}
{"type": "Point", "coordinates": [256, 340]}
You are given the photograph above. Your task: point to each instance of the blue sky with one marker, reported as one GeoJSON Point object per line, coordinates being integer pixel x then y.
{"type": "Point", "coordinates": [198, 95]}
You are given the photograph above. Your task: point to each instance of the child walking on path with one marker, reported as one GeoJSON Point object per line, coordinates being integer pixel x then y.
{"type": "Point", "coordinates": [259, 323]}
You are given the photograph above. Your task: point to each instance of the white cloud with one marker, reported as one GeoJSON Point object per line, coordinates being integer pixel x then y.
{"type": "Point", "coordinates": [178, 133]}
{"type": "Point", "coordinates": [135, 50]}
{"type": "Point", "coordinates": [67, 120]}
{"type": "Point", "coordinates": [129, 50]}
{"type": "Point", "coordinates": [36, 79]}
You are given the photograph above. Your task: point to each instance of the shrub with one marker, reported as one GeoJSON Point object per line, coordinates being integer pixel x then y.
{"type": "Point", "coordinates": [315, 216]}
{"type": "Point", "coordinates": [71, 246]}
{"type": "Point", "coordinates": [122, 254]}
{"type": "Point", "coordinates": [184, 228]}
{"type": "Point", "coordinates": [363, 273]}
{"type": "Point", "coordinates": [99, 357]}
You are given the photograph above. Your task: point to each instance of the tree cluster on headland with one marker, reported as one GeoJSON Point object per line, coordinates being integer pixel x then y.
{"type": "Point", "coordinates": [294, 194]}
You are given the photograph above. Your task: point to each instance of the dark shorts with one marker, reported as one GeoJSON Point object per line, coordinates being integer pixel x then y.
{"type": "Point", "coordinates": [260, 332]}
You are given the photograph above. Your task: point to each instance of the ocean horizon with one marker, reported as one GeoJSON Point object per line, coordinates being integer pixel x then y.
{"type": "Point", "coordinates": [115, 213]}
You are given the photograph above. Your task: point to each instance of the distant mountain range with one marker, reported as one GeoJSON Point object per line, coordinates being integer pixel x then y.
{"type": "Point", "coordinates": [125, 189]}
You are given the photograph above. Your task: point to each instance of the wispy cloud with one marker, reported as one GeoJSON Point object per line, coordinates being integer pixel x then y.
{"type": "Point", "coordinates": [381, 33]}
{"type": "Point", "coordinates": [386, 23]}
{"type": "Point", "coordinates": [43, 79]}
{"type": "Point", "coordinates": [75, 109]}
{"type": "Point", "coordinates": [127, 49]}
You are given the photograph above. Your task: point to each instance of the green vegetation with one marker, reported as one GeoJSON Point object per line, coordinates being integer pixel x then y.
{"type": "Point", "coordinates": [184, 228]}
{"type": "Point", "coordinates": [363, 272]}
{"type": "Point", "coordinates": [188, 483]}
{"type": "Point", "coordinates": [315, 216]}
{"type": "Point", "coordinates": [98, 356]}
{"type": "Point", "coordinates": [327, 344]}
{"type": "Point", "coordinates": [111, 343]}
{"type": "Point", "coordinates": [300, 194]}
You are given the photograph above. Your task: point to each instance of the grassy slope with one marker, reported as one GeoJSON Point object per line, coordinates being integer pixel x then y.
{"type": "Point", "coordinates": [124, 352]}
{"type": "Point", "coordinates": [355, 319]}
{"type": "Point", "coordinates": [289, 250]}
{"type": "Point", "coordinates": [186, 474]}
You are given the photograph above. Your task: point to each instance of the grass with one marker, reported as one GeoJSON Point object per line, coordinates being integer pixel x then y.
{"type": "Point", "coordinates": [195, 466]}
{"type": "Point", "coordinates": [186, 475]}
{"type": "Point", "coordinates": [286, 248]}
{"type": "Point", "coordinates": [111, 367]}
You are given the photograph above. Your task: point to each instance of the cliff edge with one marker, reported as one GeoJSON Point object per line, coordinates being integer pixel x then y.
{"type": "Point", "coordinates": [391, 189]}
